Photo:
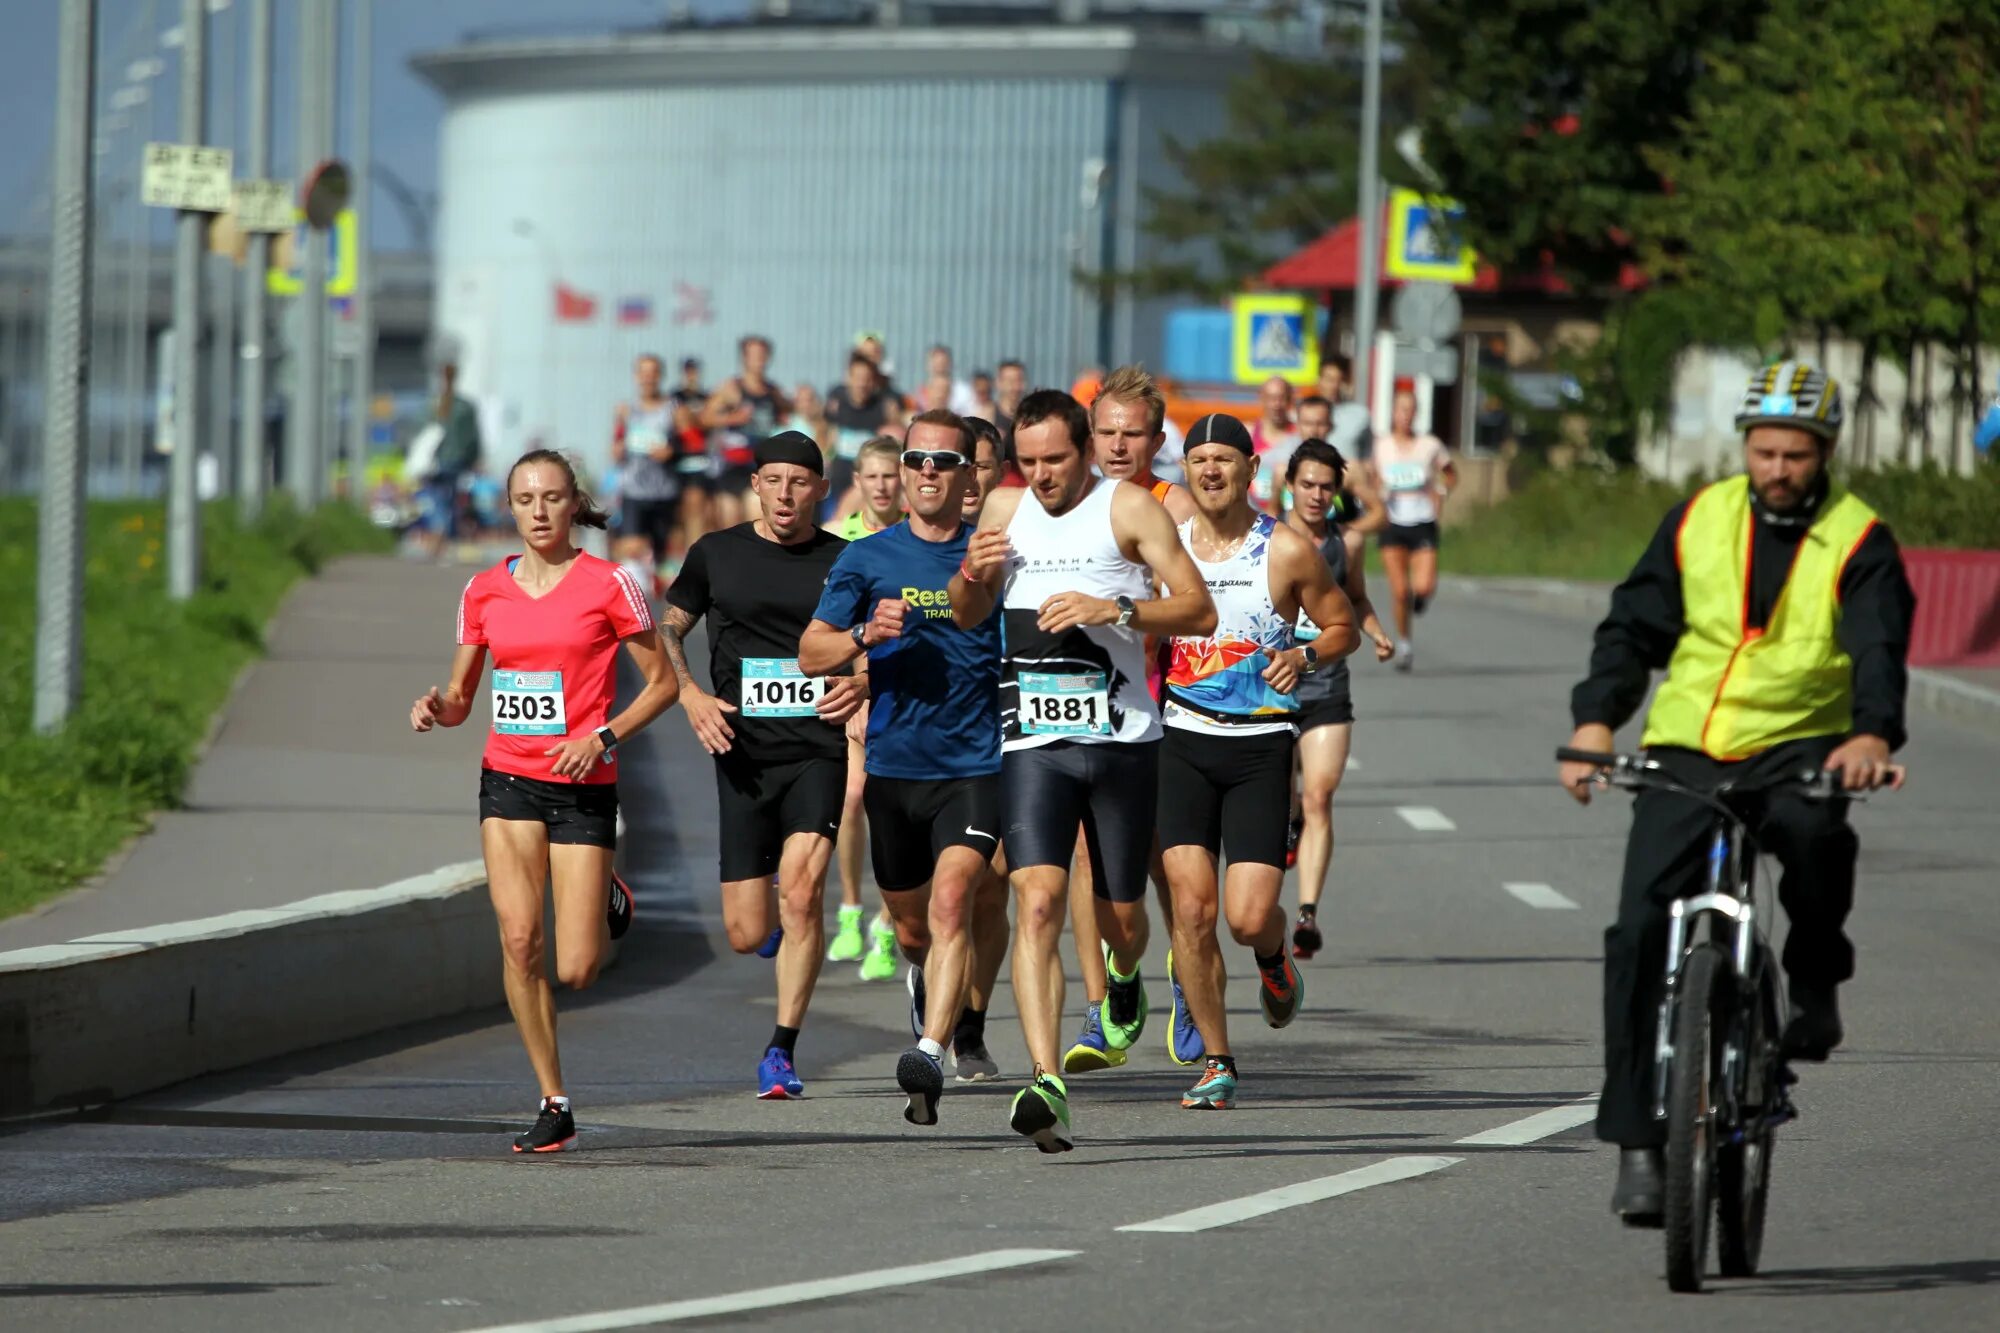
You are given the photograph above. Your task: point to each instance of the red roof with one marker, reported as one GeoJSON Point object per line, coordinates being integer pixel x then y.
{"type": "Point", "coordinates": [1329, 263]}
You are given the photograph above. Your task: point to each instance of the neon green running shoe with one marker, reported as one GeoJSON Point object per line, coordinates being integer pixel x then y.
{"type": "Point", "coordinates": [1041, 1112]}
{"type": "Point", "coordinates": [847, 943]}
{"type": "Point", "coordinates": [880, 963]}
{"type": "Point", "coordinates": [1090, 1053]}
{"type": "Point", "coordinates": [1123, 1012]}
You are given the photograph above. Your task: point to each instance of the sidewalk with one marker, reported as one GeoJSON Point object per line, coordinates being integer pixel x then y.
{"type": "Point", "coordinates": [313, 782]}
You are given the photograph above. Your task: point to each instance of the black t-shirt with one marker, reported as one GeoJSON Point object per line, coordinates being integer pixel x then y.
{"type": "Point", "coordinates": [854, 424]}
{"type": "Point", "coordinates": [759, 596]}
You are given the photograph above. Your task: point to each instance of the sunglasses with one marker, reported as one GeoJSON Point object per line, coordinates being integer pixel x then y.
{"type": "Point", "coordinates": [944, 460]}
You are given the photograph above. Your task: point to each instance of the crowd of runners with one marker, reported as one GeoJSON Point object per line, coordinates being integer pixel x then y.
{"type": "Point", "coordinates": [973, 631]}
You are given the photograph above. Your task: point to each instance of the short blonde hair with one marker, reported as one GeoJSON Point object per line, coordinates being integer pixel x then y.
{"type": "Point", "coordinates": [881, 446]}
{"type": "Point", "coordinates": [1132, 384]}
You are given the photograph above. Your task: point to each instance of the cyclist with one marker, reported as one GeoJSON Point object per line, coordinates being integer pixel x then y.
{"type": "Point", "coordinates": [1777, 605]}
{"type": "Point", "coordinates": [1414, 472]}
{"type": "Point", "coordinates": [552, 618]}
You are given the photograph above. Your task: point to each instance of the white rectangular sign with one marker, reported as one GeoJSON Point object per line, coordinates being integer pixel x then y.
{"type": "Point", "coordinates": [265, 206]}
{"type": "Point", "coordinates": [186, 176]}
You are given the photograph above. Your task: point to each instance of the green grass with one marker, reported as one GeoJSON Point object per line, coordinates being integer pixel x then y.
{"type": "Point", "coordinates": [154, 673]}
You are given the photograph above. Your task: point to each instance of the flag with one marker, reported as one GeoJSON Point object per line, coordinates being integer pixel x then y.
{"type": "Point", "coordinates": [691, 305]}
{"type": "Point", "coordinates": [635, 310]}
{"type": "Point", "coordinates": [573, 307]}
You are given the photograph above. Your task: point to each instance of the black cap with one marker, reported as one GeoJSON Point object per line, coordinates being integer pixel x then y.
{"type": "Point", "coordinates": [791, 446]}
{"type": "Point", "coordinates": [1221, 428]}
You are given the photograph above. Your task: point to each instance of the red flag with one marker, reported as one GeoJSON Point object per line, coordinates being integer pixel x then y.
{"type": "Point", "coordinates": [573, 307]}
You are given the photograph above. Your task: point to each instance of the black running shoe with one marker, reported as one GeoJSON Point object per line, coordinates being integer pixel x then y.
{"type": "Point", "coordinates": [554, 1130]}
{"type": "Point", "coordinates": [914, 983]}
{"type": "Point", "coordinates": [923, 1079]}
{"type": "Point", "coordinates": [621, 907]}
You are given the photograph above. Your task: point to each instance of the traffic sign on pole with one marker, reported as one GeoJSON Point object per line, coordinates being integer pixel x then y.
{"type": "Point", "coordinates": [265, 206]}
{"type": "Point", "coordinates": [1274, 334]}
{"type": "Point", "coordinates": [186, 176]}
{"type": "Point", "coordinates": [286, 276]}
{"type": "Point", "coordinates": [1424, 242]}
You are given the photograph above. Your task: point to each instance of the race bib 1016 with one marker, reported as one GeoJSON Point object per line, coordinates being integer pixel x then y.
{"type": "Point", "coordinates": [775, 687]}
{"type": "Point", "coordinates": [529, 703]}
{"type": "Point", "coordinates": [1058, 704]}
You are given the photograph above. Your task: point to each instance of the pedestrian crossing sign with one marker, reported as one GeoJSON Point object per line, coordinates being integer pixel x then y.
{"type": "Point", "coordinates": [1424, 243]}
{"type": "Point", "coordinates": [1274, 334]}
{"type": "Point", "coordinates": [286, 276]}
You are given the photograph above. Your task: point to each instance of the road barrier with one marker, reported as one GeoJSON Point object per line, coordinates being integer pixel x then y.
{"type": "Point", "coordinates": [1958, 608]}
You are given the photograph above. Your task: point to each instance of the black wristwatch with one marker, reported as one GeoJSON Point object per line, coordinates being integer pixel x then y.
{"type": "Point", "coordinates": [608, 739]}
{"type": "Point", "coordinates": [860, 636]}
{"type": "Point", "coordinates": [1311, 655]}
{"type": "Point", "coordinates": [1127, 608]}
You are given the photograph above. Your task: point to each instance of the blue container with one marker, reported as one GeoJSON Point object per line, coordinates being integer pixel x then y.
{"type": "Point", "coordinates": [1198, 345]}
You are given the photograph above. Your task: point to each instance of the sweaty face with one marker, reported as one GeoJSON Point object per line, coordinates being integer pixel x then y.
{"type": "Point", "coordinates": [880, 480]}
{"type": "Point", "coordinates": [1315, 422]}
{"type": "Point", "coordinates": [1783, 463]}
{"type": "Point", "coordinates": [1051, 463]}
{"type": "Point", "coordinates": [790, 495]}
{"type": "Point", "coordinates": [932, 491]}
{"type": "Point", "coordinates": [1123, 439]}
{"type": "Point", "coordinates": [1218, 476]}
{"type": "Point", "coordinates": [1313, 489]}
{"type": "Point", "coordinates": [543, 500]}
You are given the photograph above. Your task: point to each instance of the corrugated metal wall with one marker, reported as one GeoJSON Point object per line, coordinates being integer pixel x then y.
{"type": "Point", "coordinates": [932, 211]}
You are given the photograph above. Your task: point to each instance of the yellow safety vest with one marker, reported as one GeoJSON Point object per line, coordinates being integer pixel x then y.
{"type": "Point", "coordinates": [1732, 691]}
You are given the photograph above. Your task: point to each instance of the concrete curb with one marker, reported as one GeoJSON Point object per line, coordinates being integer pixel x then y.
{"type": "Point", "coordinates": [115, 1015]}
{"type": "Point", "coordinates": [1933, 691]}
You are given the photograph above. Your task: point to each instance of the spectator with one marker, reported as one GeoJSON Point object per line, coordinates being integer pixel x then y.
{"type": "Point", "coordinates": [458, 452]}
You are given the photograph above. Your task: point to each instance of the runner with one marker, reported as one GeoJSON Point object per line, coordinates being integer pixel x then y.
{"type": "Point", "coordinates": [1275, 436]}
{"type": "Point", "coordinates": [1414, 473]}
{"type": "Point", "coordinates": [1073, 562]}
{"type": "Point", "coordinates": [552, 618]}
{"type": "Point", "coordinates": [1231, 718]}
{"type": "Point", "coordinates": [693, 470]}
{"type": "Point", "coordinates": [642, 449]}
{"type": "Point", "coordinates": [857, 410]}
{"type": "Point", "coordinates": [1326, 708]}
{"type": "Point", "coordinates": [1358, 507]}
{"type": "Point", "coordinates": [775, 733]}
{"type": "Point", "coordinates": [743, 413]}
{"type": "Point", "coordinates": [933, 753]}
{"type": "Point", "coordinates": [1010, 385]}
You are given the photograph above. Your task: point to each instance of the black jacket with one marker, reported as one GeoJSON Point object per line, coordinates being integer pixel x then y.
{"type": "Point", "coordinates": [1647, 620]}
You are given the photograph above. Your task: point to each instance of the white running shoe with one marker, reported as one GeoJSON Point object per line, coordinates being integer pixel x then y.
{"type": "Point", "coordinates": [1406, 656]}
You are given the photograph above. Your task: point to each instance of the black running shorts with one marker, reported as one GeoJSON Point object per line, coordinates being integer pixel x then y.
{"type": "Point", "coordinates": [1231, 795]}
{"type": "Point", "coordinates": [1108, 787]}
{"type": "Point", "coordinates": [759, 806]}
{"type": "Point", "coordinates": [582, 813]}
{"type": "Point", "coordinates": [1328, 702]}
{"type": "Point", "coordinates": [1411, 536]}
{"type": "Point", "coordinates": [650, 519]}
{"type": "Point", "coordinates": [911, 822]}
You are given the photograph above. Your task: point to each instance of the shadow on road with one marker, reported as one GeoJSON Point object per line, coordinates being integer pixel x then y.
{"type": "Point", "coordinates": [1880, 1279]}
{"type": "Point", "coordinates": [128, 1290]}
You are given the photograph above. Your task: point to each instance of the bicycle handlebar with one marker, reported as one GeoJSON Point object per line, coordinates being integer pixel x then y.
{"type": "Point", "coordinates": [1633, 771]}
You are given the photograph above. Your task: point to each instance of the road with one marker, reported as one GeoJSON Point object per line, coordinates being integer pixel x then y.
{"type": "Point", "coordinates": [368, 1185]}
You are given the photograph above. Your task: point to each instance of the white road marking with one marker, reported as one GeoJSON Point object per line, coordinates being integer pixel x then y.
{"type": "Point", "coordinates": [1291, 1196]}
{"type": "Point", "coordinates": [1540, 1125]}
{"type": "Point", "coordinates": [790, 1293]}
{"type": "Point", "coordinates": [1426, 818]}
{"type": "Point", "coordinates": [1540, 895]}
{"type": "Point", "coordinates": [1353, 764]}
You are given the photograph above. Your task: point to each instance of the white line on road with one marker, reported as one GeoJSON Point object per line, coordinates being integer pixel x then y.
{"type": "Point", "coordinates": [1540, 895]}
{"type": "Point", "coordinates": [791, 1293]}
{"type": "Point", "coordinates": [1426, 818]}
{"type": "Point", "coordinates": [1291, 1196]}
{"type": "Point", "coordinates": [1540, 1125]}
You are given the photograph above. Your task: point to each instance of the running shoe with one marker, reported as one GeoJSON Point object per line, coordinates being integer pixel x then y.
{"type": "Point", "coordinates": [1281, 990]}
{"type": "Point", "coordinates": [1292, 832]}
{"type": "Point", "coordinates": [1406, 656]}
{"type": "Point", "coordinates": [1041, 1112]}
{"type": "Point", "coordinates": [554, 1129]}
{"type": "Point", "coordinates": [920, 1075]}
{"type": "Point", "coordinates": [777, 1079]}
{"type": "Point", "coordinates": [971, 1062]}
{"type": "Point", "coordinates": [769, 948]}
{"type": "Point", "coordinates": [847, 945]}
{"type": "Point", "coordinates": [880, 962]}
{"type": "Point", "coordinates": [1090, 1051]}
{"type": "Point", "coordinates": [1184, 1043]}
{"type": "Point", "coordinates": [1124, 1008]}
{"type": "Point", "coordinates": [914, 983]}
{"type": "Point", "coordinates": [619, 910]}
{"type": "Point", "coordinates": [1215, 1090]}
{"type": "Point", "coordinates": [1306, 939]}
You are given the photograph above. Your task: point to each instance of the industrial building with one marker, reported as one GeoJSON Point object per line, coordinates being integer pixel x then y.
{"type": "Point", "coordinates": [936, 174]}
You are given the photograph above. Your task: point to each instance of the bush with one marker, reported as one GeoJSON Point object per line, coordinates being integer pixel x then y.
{"type": "Point", "coordinates": [154, 672]}
{"type": "Point", "coordinates": [1926, 506]}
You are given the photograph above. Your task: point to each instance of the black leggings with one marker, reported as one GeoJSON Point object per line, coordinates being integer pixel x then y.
{"type": "Point", "coordinates": [1107, 786]}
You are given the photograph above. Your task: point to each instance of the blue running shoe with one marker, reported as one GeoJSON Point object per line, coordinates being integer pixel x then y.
{"type": "Point", "coordinates": [1090, 1050]}
{"type": "Point", "coordinates": [1184, 1043]}
{"type": "Point", "coordinates": [769, 948]}
{"type": "Point", "coordinates": [777, 1080]}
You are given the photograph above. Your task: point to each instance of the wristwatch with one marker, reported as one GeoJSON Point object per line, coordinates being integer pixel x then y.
{"type": "Point", "coordinates": [1127, 608]}
{"type": "Point", "coordinates": [860, 636]}
{"type": "Point", "coordinates": [608, 739]}
{"type": "Point", "coordinates": [1311, 656]}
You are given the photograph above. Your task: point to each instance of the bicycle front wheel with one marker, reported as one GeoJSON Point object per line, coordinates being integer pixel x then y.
{"type": "Point", "coordinates": [1743, 1170]}
{"type": "Point", "coordinates": [1691, 1118]}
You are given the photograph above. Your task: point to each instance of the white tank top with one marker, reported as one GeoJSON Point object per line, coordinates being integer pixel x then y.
{"type": "Point", "coordinates": [1087, 684]}
{"type": "Point", "coordinates": [1216, 682]}
{"type": "Point", "coordinates": [1409, 477]}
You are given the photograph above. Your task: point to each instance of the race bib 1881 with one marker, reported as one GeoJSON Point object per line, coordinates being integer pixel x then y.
{"type": "Point", "coordinates": [775, 687]}
{"type": "Point", "coordinates": [1057, 704]}
{"type": "Point", "coordinates": [529, 703]}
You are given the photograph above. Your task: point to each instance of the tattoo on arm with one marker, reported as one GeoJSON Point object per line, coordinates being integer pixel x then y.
{"type": "Point", "coordinates": [673, 629]}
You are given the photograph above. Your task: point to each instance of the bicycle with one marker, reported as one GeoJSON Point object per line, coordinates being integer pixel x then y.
{"type": "Point", "coordinates": [1720, 1079]}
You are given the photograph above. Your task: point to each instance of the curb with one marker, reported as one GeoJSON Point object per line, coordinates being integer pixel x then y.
{"type": "Point", "coordinates": [115, 1015]}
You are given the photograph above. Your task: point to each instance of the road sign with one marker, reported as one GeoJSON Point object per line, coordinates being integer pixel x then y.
{"type": "Point", "coordinates": [265, 206]}
{"type": "Point", "coordinates": [186, 176]}
{"type": "Point", "coordinates": [1426, 311]}
{"type": "Point", "coordinates": [341, 239]}
{"type": "Point", "coordinates": [1439, 364]}
{"type": "Point", "coordinates": [1274, 334]}
{"type": "Point", "coordinates": [1423, 240]}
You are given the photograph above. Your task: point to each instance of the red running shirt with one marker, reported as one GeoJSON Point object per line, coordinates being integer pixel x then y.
{"type": "Point", "coordinates": [553, 658]}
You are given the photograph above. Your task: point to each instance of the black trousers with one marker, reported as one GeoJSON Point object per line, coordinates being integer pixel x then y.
{"type": "Point", "coordinates": [1666, 859]}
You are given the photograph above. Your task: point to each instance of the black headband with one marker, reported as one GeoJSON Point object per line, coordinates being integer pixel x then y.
{"type": "Point", "coordinates": [791, 446]}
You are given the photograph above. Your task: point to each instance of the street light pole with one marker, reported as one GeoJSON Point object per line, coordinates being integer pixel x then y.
{"type": "Point", "coordinates": [183, 501]}
{"type": "Point", "coordinates": [1367, 274]}
{"type": "Point", "coordinates": [360, 419]}
{"type": "Point", "coordinates": [252, 465]}
{"type": "Point", "coordinates": [305, 415]}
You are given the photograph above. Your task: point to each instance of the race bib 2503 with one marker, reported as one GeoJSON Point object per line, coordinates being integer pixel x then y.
{"type": "Point", "coordinates": [529, 703]}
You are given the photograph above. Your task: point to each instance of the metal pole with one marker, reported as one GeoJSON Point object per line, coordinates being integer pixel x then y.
{"type": "Point", "coordinates": [362, 380]}
{"type": "Point", "coordinates": [222, 272]}
{"type": "Point", "coordinates": [139, 296]}
{"type": "Point", "coordinates": [1367, 274]}
{"type": "Point", "coordinates": [183, 503]}
{"type": "Point", "coordinates": [59, 576]}
{"type": "Point", "coordinates": [251, 464]}
{"type": "Point", "coordinates": [304, 459]}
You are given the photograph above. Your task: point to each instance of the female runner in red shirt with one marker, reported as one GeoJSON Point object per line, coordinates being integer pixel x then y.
{"type": "Point", "coordinates": [553, 618]}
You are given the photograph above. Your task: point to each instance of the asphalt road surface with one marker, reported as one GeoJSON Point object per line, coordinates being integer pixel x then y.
{"type": "Point", "coordinates": [1410, 1154]}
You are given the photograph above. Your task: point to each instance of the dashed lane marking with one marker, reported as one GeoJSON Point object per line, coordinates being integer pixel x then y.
{"type": "Point", "coordinates": [1231, 1211]}
{"type": "Point", "coordinates": [1540, 895]}
{"type": "Point", "coordinates": [1535, 1127]}
{"type": "Point", "coordinates": [1426, 818]}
